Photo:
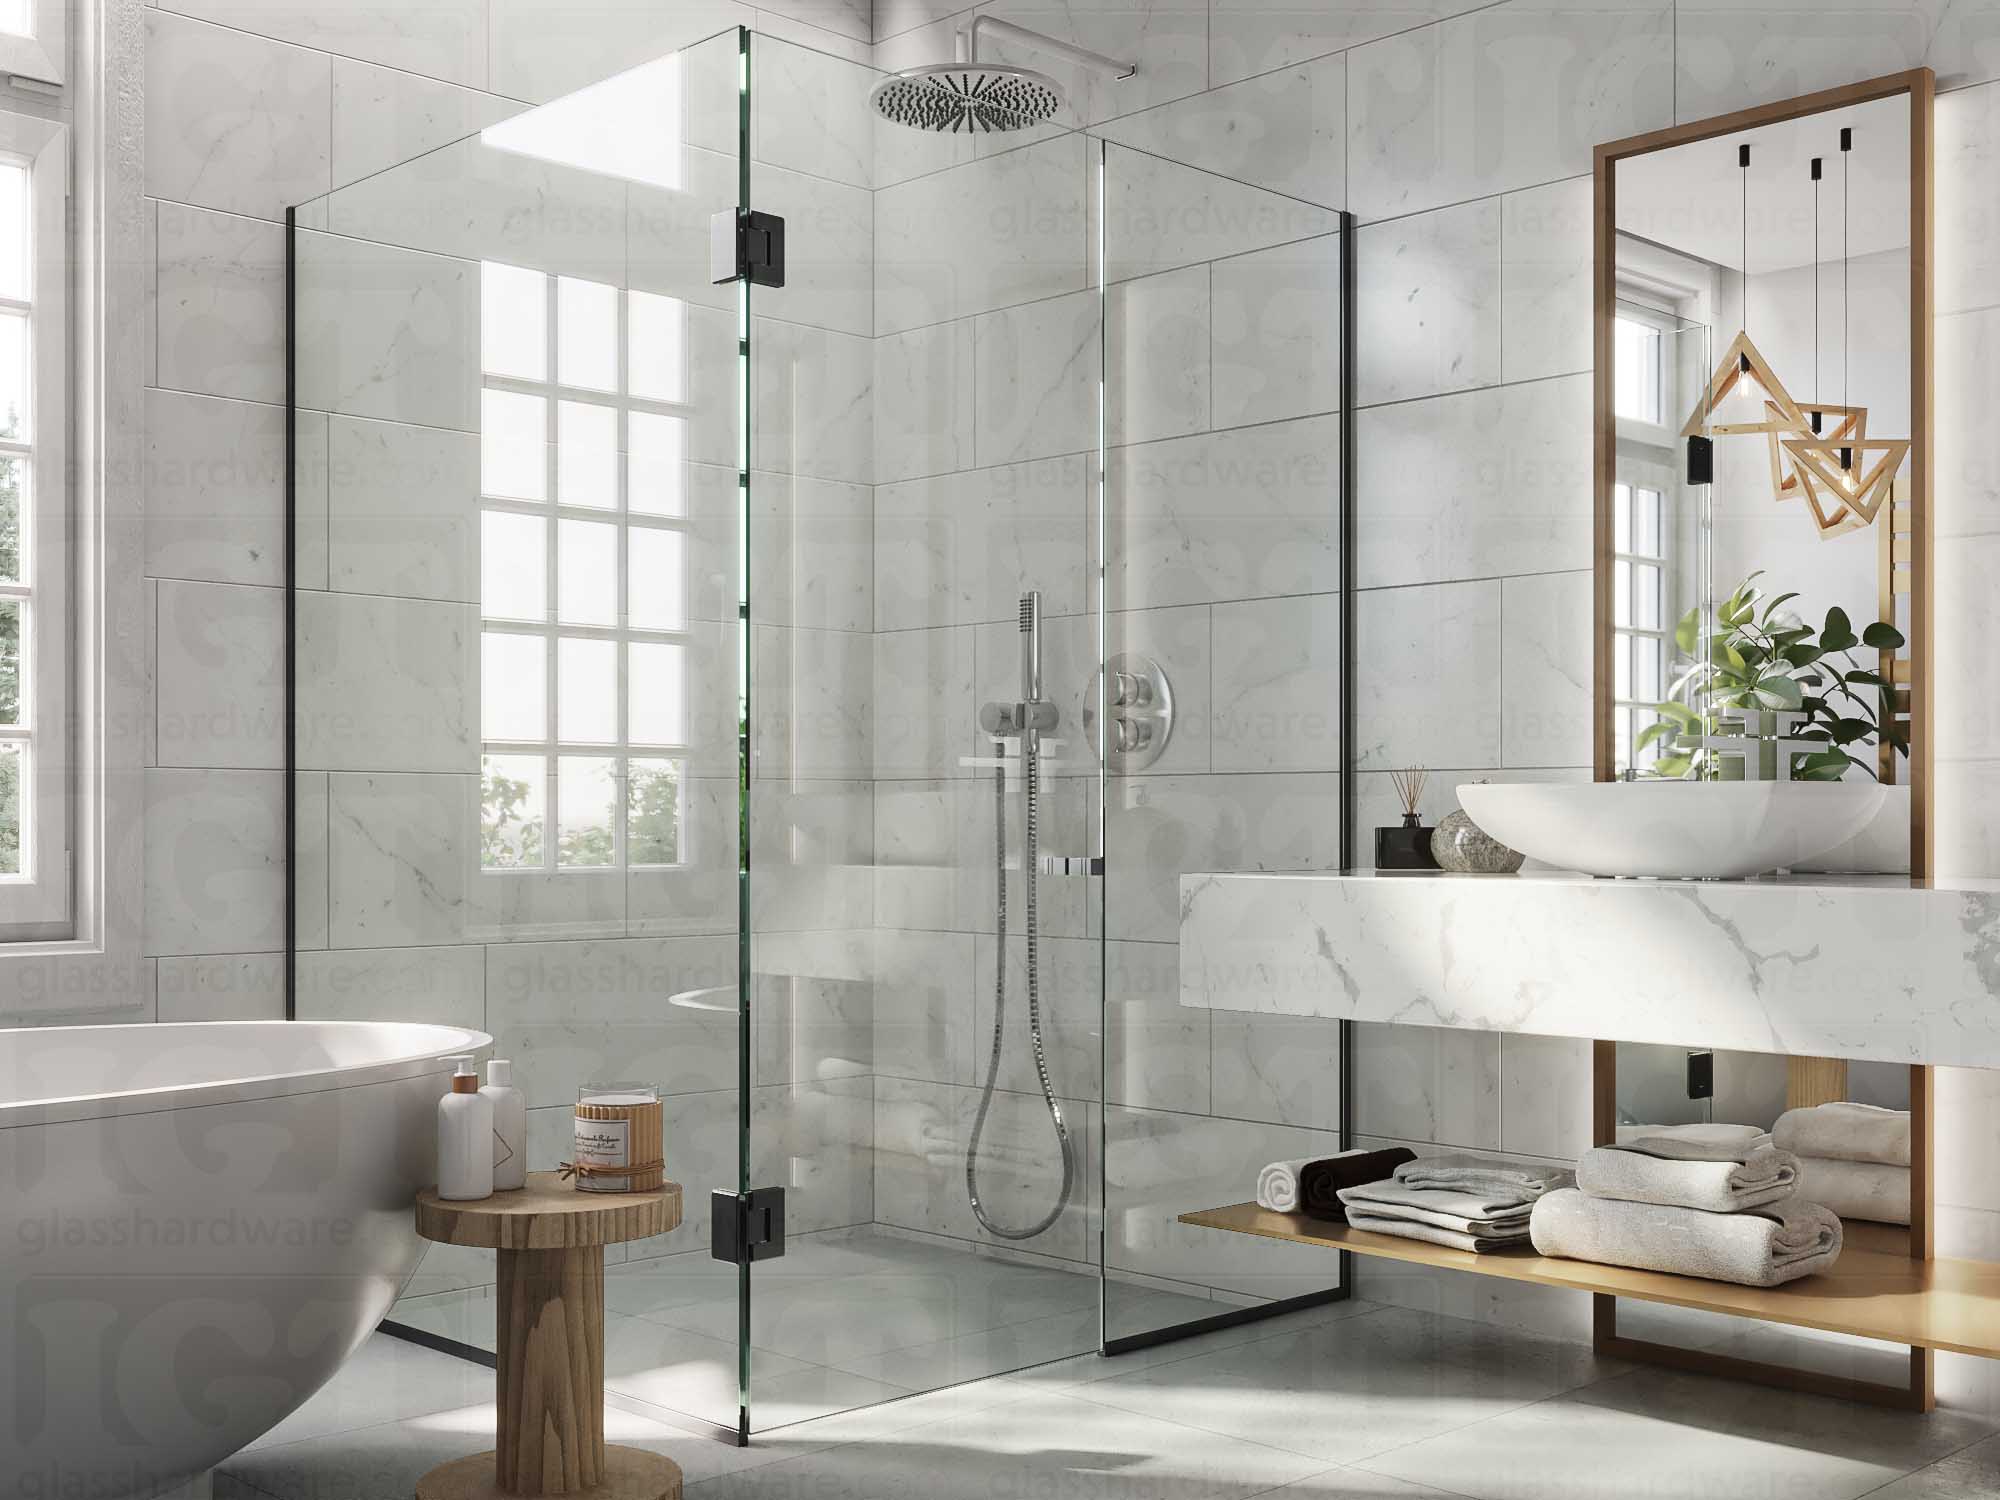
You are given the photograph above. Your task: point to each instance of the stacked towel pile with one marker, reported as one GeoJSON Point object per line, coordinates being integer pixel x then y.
{"type": "Point", "coordinates": [1459, 1201]}
{"type": "Point", "coordinates": [1701, 1202]}
{"type": "Point", "coordinates": [1312, 1185]}
{"type": "Point", "coordinates": [1854, 1158]}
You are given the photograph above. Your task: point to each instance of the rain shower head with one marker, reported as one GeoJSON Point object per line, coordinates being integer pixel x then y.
{"type": "Point", "coordinates": [954, 97]}
{"type": "Point", "coordinates": [973, 96]}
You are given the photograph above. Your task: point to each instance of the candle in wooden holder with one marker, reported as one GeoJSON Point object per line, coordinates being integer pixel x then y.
{"type": "Point", "coordinates": [618, 1125]}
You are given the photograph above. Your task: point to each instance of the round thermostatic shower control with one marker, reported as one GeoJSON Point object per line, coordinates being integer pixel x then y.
{"type": "Point", "coordinates": [1139, 702]}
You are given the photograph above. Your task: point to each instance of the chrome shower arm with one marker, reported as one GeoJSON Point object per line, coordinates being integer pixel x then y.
{"type": "Point", "coordinates": [968, 46]}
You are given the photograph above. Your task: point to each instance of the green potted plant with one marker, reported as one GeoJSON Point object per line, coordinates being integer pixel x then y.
{"type": "Point", "coordinates": [1758, 661]}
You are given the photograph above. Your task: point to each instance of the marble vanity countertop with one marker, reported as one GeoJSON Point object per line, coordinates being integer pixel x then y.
{"type": "Point", "coordinates": [1860, 967]}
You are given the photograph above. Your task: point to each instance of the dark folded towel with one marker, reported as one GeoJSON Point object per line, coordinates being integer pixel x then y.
{"type": "Point", "coordinates": [1320, 1181]}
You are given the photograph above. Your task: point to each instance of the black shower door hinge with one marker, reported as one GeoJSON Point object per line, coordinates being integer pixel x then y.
{"type": "Point", "coordinates": [747, 1227]}
{"type": "Point", "coordinates": [744, 245]}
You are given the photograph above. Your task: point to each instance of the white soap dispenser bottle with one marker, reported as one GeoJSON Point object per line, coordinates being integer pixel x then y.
{"type": "Point", "coordinates": [465, 1136]}
{"type": "Point", "coordinates": [510, 1127]}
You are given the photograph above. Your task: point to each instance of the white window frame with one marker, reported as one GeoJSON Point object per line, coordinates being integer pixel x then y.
{"type": "Point", "coordinates": [43, 57]}
{"type": "Point", "coordinates": [39, 898]}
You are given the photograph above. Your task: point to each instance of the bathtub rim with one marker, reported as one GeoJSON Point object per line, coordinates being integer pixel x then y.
{"type": "Point", "coordinates": [429, 1045]}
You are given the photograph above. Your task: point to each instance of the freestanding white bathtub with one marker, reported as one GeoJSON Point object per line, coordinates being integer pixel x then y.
{"type": "Point", "coordinates": [198, 1224]}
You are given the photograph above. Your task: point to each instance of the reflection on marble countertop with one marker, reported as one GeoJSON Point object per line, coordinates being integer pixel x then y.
{"type": "Point", "coordinates": [1874, 968]}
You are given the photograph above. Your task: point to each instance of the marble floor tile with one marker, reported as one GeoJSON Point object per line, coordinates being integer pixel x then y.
{"type": "Point", "coordinates": [1966, 1475]}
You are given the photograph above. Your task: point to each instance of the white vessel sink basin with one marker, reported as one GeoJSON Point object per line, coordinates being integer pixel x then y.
{"type": "Point", "coordinates": [1674, 829]}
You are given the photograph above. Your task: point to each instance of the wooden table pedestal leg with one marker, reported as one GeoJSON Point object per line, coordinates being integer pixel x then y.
{"type": "Point", "coordinates": [550, 1389]}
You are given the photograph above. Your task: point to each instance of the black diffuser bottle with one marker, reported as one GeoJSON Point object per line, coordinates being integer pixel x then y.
{"type": "Point", "coordinates": [1407, 847]}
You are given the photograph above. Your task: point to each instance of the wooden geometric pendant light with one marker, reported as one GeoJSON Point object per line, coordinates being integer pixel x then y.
{"type": "Point", "coordinates": [1743, 358]}
{"type": "Point", "coordinates": [1861, 488]}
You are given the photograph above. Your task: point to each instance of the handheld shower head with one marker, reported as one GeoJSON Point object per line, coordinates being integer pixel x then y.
{"type": "Point", "coordinates": [971, 96]}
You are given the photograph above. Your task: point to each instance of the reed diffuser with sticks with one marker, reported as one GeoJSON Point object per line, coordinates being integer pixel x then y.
{"type": "Point", "coordinates": [1407, 847]}
{"type": "Point", "coordinates": [619, 1144]}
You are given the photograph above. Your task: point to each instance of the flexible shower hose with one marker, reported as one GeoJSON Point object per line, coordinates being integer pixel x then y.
{"type": "Point", "coordinates": [1030, 784]}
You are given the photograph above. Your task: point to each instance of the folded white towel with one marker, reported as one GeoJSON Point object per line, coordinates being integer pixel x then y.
{"type": "Point", "coordinates": [1846, 1131]}
{"type": "Point", "coordinates": [1278, 1185]}
{"type": "Point", "coordinates": [1522, 1182]}
{"type": "Point", "coordinates": [1702, 1132]}
{"type": "Point", "coordinates": [1677, 1173]}
{"type": "Point", "coordinates": [1412, 1229]}
{"type": "Point", "coordinates": [1857, 1189]}
{"type": "Point", "coordinates": [1446, 1207]}
{"type": "Point", "coordinates": [1765, 1246]}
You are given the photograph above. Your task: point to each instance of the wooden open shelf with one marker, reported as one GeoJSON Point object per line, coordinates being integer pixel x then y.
{"type": "Point", "coordinates": [1875, 1290]}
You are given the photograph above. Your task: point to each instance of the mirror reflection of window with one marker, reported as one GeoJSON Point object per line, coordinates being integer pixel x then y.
{"type": "Point", "coordinates": [584, 558]}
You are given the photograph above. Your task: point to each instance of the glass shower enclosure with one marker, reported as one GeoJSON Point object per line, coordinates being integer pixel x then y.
{"type": "Point", "coordinates": [723, 521]}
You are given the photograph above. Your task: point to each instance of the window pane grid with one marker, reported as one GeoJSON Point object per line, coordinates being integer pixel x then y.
{"type": "Point", "coordinates": [567, 513]}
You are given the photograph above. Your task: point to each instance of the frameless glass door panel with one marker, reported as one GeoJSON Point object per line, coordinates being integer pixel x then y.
{"type": "Point", "coordinates": [518, 423]}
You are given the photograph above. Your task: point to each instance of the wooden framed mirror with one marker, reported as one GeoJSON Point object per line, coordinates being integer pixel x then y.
{"type": "Point", "coordinates": [1763, 412]}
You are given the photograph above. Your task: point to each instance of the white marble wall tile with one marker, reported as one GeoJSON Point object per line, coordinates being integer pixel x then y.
{"type": "Point", "coordinates": [916, 552]}
{"type": "Point", "coordinates": [1427, 676]}
{"type": "Point", "coordinates": [309, 858]}
{"type": "Point", "coordinates": [1545, 670]}
{"type": "Point", "coordinates": [441, 986]}
{"type": "Point", "coordinates": [817, 695]}
{"type": "Point", "coordinates": [1475, 485]}
{"type": "Point", "coordinates": [1277, 333]}
{"type": "Point", "coordinates": [234, 122]}
{"type": "Point", "coordinates": [215, 490]}
{"type": "Point", "coordinates": [1285, 131]}
{"type": "Point", "coordinates": [814, 402]}
{"type": "Point", "coordinates": [1966, 157]}
{"type": "Point", "coordinates": [715, 392]}
{"type": "Point", "coordinates": [996, 232]}
{"type": "Point", "coordinates": [1161, 827]}
{"type": "Point", "coordinates": [816, 1139]}
{"type": "Point", "coordinates": [383, 117]}
{"type": "Point", "coordinates": [813, 848]}
{"type": "Point", "coordinates": [848, 18]}
{"type": "Point", "coordinates": [810, 112]}
{"type": "Point", "coordinates": [387, 684]}
{"type": "Point", "coordinates": [1160, 215]}
{"type": "Point", "coordinates": [1254, 36]}
{"type": "Point", "coordinates": [1968, 1106]}
{"type": "Point", "coordinates": [700, 896]}
{"type": "Point", "coordinates": [813, 1010]}
{"type": "Point", "coordinates": [812, 553]}
{"type": "Point", "coordinates": [924, 401]}
{"type": "Point", "coordinates": [542, 49]}
{"type": "Point", "coordinates": [221, 305]}
{"type": "Point", "coordinates": [215, 859]}
{"type": "Point", "coordinates": [923, 702]}
{"type": "Point", "coordinates": [474, 201]}
{"type": "Point", "coordinates": [386, 332]}
{"type": "Point", "coordinates": [1423, 1083]}
{"type": "Point", "coordinates": [222, 987]}
{"type": "Point", "coordinates": [829, 250]}
{"type": "Point", "coordinates": [925, 984]}
{"type": "Point", "coordinates": [1158, 376]}
{"type": "Point", "coordinates": [569, 1014]}
{"type": "Point", "coordinates": [1967, 716]}
{"type": "Point", "coordinates": [401, 850]}
{"type": "Point", "coordinates": [438, 38]}
{"type": "Point", "coordinates": [1546, 1094]}
{"type": "Point", "coordinates": [1166, 39]}
{"type": "Point", "coordinates": [667, 229]}
{"type": "Point", "coordinates": [1156, 1050]}
{"type": "Point", "coordinates": [928, 852]}
{"type": "Point", "coordinates": [529, 907]}
{"type": "Point", "coordinates": [1965, 44]}
{"type": "Point", "coordinates": [1037, 370]}
{"type": "Point", "coordinates": [1230, 515]}
{"type": "Point", "coordinates": [1546, 262]}
{"type": "Point", "coordinates": [1967, 362]}
{"type": "Point", "coordinates": [894, 17]}
{"type": "Point", "coordinates": [1428, 302]}
{"type": "Point", "coordinates": [1277, 684]}
{"type": "Point", "coordinates": [402, 510]}
{"type": "Point", "coordinates": [1070, 1001]}
{"type": "Point", "coordinates": [1277, 1069]}
{"type": "Point", "coordinates": [220, 675]}
{"type": "Point", "coordinates": [1731, 54]}
{"type": "Point", "coordinates": [1503, 98]}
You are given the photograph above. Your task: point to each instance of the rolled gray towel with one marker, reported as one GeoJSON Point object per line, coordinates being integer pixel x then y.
{"type": "Point", "coordinates": [1447, 1208]}
{"type": "Point", "coordinates": [1412, 1229]}
{"type": "Point", "coordinates": [1689, 1174]}
{"type": "Point", "coordinates": [1474, 1174]}
{"type": "Point", "coordinates": [1759, 1247]}
{"type": "Point", "coordinates": [1857, 1189]}
{"type": "Point", "coordinates": [1702, 1132]}
{"type": "Point", "coordinates": [1846, 1131]}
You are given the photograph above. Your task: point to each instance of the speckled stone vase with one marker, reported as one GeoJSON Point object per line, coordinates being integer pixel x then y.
{"type": "Point", "coordinates": [1463, 847]}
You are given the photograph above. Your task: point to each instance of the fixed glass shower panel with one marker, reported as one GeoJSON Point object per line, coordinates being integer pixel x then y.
{"type": "Point", "coordinates": [518, 425]}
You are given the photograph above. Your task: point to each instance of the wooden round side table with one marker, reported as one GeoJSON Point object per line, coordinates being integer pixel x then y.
{"type": "Point", "coordinates": [550, 1325]}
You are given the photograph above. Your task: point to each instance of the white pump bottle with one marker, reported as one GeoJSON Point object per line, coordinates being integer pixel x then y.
{"type": "Point", "coordinates": [465, 1136]}
{"type": "Point", "coordinates": [510, 1127]}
